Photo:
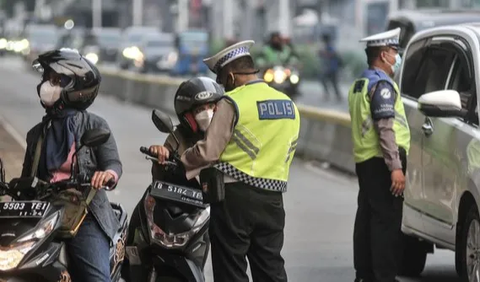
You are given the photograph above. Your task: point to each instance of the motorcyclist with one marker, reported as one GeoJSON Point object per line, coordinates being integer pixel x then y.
{"type": "Point", "coordinates": [69, 85]}
{"type": "Point", "coordinates": [274, 53]}
{"type": "Point", "coordinates": [194, 113]}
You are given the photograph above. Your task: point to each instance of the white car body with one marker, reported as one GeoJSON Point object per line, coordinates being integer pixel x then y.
{"type": "Point", "coordinates": [443, 170]}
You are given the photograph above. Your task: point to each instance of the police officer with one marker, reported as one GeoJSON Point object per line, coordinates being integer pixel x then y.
{"type": "Point", "coordinates": [251, 139]}
{"type": "Point", "coordinates": [381, 138]}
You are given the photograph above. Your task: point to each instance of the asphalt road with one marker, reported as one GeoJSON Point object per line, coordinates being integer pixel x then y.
{"type": "Point", "coordinates": [320, 204]}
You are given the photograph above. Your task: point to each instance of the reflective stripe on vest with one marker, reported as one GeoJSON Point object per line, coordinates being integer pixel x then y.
{"type": "Point", "coordinates": [365, 139]}
{"type": "Point", "coordinates": [265, 137]}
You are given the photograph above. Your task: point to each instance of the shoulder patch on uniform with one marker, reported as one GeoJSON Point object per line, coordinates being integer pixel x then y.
{"type": "Point", "coordinates": [386, 93]}
{"type": "Point", "coordinates": [276, 109]}
{"type": "Point", "coordinates": [359, 85]}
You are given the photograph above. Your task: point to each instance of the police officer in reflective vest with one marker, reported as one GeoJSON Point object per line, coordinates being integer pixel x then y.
{"type": "Point", "coordinates": [381, 140]}
{"type": "Point", "coordinates": [251, 140]}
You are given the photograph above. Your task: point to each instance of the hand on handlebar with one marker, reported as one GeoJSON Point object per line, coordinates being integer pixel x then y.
{"type": "Point", "coordinates": [101, 179]}
{"type": "Point", "coordinates": [160, 152]}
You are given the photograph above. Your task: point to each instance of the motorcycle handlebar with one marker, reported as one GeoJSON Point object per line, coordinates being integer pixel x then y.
{"type": "Point", "coordinates": [152, 157]}
{"type": "Point", "coordinates": [40, 190]}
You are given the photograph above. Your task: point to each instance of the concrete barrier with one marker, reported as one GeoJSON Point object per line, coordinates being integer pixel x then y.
{"type": "Point", "coordinates": [324, 134]}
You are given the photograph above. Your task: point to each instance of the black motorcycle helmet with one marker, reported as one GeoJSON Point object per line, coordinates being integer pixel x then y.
{"type": "Point", "coordinates": [193, 93]}
{"type": "Point", "coordinates": [79, 78]}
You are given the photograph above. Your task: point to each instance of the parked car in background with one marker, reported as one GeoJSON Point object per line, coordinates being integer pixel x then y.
{"type": "Point", "coordinates": [413, 21]}
{"type": "Point", "coordinates": [158, 53]}
{"type": "Point", "coordinates": [440, 84]}
{"type": "Point", "coordinates": [128, 50]}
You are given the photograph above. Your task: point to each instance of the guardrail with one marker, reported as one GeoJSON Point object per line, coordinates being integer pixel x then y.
{"type": "Point", "coordinates": [324, 134]}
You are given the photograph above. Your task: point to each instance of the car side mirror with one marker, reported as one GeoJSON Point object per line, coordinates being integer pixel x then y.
{"type": "Point", "coordinates": [443, 103]}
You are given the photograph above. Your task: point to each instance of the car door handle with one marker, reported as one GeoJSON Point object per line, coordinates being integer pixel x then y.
{"type": "Point", "coordinates": [427, 128]}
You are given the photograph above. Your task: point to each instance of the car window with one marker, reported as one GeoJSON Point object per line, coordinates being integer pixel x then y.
{"type": "Point", "coordinates": [411, 64]}
{"type": "Point", "coordinates": [426, 70]}
{"type": "Point", "coordinates": [463, 82]}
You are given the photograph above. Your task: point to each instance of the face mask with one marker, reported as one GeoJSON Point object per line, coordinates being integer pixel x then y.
{"type": "Point", "coordinates": [398, 62]}
{"type": "Point", "coordinates": [49, 94]}
{"type": "Point", "coordinates": [203, 119]}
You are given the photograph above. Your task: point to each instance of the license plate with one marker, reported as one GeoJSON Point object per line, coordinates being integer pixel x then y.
{"type": "Point", "coordinates": [32, 209]}
{"type": "Point", "coordinates": [177, 193]}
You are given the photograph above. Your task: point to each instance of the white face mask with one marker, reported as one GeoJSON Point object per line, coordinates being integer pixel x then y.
{"type": "Point", "coordinates": [203, 119]}
{"type": "Point", "coordinates": [49, 94]}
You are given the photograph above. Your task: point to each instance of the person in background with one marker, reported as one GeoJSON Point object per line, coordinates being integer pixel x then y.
{"type": "Point", "coordinates": [275, 52]}
{"type": "Point", "coordinates": [331, 64]}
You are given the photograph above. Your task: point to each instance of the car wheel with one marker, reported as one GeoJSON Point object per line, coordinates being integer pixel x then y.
{"type": "Point", "coordinates": [413, 257]}
{"type": "Point", "coordinates": [470, 247]}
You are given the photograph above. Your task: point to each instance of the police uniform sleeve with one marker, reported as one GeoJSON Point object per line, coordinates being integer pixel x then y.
{"type": "Point", "coordinates": [207, 151]}
{"type": "Point", "coordinates": [382, 106]}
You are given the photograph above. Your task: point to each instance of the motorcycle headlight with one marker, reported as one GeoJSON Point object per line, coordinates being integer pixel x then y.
{"type": "Point", "coordinates": [279, 76]}
{"type": "Point", "coordinates": [3, 43]}
{"type": "Point", "coordinates": [172, 241]}
{"type": "Point", "coordinates": [92, 57]}
{"type": "Point", "coordinates": [294, 79]}
{"type": "Point", "coordinates": [268, 76]}
{"type": "Point", "coordinates": [11, 256]}
{"type": "Point", "coordinates": [172, 58]}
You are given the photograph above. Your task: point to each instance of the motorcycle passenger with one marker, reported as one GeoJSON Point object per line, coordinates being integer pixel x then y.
{"type": "Point", "coordinates": [69, 85]}
{"type": "Point", "coordinates": [194, 113]}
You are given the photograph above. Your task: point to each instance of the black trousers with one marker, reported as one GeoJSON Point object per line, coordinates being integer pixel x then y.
{"type": "Point", "coordinates": [377, 231]}
{"type": "Point", "coordinates": [248, 223]}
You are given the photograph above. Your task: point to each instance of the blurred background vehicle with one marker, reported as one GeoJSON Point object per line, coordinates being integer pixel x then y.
{"type": "Point", "coordinates": [108, 40]}
{"type": "Point", "coordinates": [36, 40]}
{"type": "Point", "coordinates": [128, 51]}
{"type": "Point", "coordinates": [157, 53]}
{"type": "Point", "coordinates": [192, 47]}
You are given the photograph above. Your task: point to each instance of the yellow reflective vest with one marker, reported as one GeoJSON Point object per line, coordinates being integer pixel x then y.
{"type": "Point", "coordinates": [366, 144]}
{"type": "Point", "coordinates": [264, 139]}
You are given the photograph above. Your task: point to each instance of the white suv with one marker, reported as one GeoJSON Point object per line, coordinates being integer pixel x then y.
{"type": "Point", "coordinates": [440, 81]}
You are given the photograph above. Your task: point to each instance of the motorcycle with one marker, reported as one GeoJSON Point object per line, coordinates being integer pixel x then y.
{"type": "Point", "coordinates": [30, 246]}
{"type": "Point", "coordinates": [284, 79]}
{"type": "Point", "coordinates": [171, 243]}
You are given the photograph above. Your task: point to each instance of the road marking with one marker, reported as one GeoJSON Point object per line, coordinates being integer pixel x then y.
{"type": "Point", "coordinates": [13, 132]}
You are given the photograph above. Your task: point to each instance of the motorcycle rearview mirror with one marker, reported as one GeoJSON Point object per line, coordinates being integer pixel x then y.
{"type": "Point", "coordinates": [164, 123]}
{"type": "Point", "coordinates": [95, 137]}
{"type": "Point", "coordinates": [2, 171]}
{"type": "Point", "coordinates": [90, 138]}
